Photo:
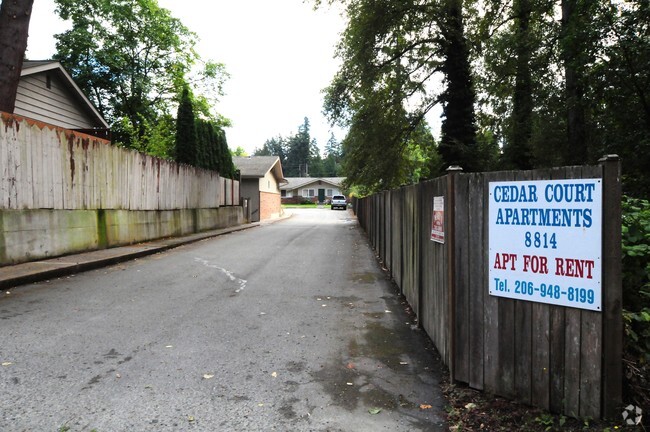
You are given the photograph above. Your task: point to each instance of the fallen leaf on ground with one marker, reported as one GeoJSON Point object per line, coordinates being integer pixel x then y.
{"type": "Point", "coordinates": [470, 406]}
{"type": "Point", "coordinates": [190, 419]}
{"type": "Point", "coordinates": [374, 411]}
{"type": "Point", "coordinates": [425, 406]}
{"type": "Point", "coordinates": [350, 365]}
{"type": "Point", "coordinates": [208, 376]}
{"type": "Point", "coordinates": [7, 363]}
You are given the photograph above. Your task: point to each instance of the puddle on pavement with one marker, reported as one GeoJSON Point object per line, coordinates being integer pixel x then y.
{"type": "Point", "coordinates": [380, 342]}
{"type": "Point", "coordinates": [374, 315]}
{"type": "Point", "coordinates": [366, 392]}
{"type": "Point", "coordinates": [335, 381]}
{"type": "Point", "coordinates": [366, 277]}
{"type": "Point", "coordinates": [346, 300]}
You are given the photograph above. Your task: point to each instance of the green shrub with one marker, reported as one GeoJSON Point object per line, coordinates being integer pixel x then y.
{"type": "Point", "coordinates": [636, 276]}
{"type": "Point", "coordinates": [636, 299]}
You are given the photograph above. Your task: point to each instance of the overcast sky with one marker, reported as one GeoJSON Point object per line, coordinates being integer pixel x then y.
{"type": "Point", "coordinates": [280, 55]}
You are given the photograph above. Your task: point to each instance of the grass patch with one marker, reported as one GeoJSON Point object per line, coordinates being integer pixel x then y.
{"type": "Point", "coordinates": [311, 205]}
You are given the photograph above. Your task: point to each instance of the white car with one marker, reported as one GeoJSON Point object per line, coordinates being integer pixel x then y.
{"type": "Point", "coordinates": [339, 201]}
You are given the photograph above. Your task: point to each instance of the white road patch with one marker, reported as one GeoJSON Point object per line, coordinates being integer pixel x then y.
{"type": "Point", "coordinates": [231, 276]}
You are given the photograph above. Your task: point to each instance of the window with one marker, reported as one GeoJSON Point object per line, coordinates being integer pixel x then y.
{"type": "Point", "coordinates": [283, 193]}
{"type": "Point", "coordinates": [328, 192]}
{"type": "Point", "coordinates": [308, 193]}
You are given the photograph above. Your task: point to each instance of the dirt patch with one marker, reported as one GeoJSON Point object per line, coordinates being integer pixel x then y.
{"type": "Point", "coordinates": [472, 410]}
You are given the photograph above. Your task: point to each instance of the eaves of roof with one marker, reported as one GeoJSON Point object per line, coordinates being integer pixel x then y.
{"type": "Point", "coordinates": [31, 67]}
{"type": "Point", "coordinates": [297, 182]}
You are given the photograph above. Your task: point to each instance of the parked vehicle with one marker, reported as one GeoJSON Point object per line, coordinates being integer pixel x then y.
{"type": "Point", "coordinates": [339, 201]}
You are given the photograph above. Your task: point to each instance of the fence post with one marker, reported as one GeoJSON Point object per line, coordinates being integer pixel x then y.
{"type": "Point", "coordinates": [450, 240]}
{"type": "Point", "coordinates": [612, 371]}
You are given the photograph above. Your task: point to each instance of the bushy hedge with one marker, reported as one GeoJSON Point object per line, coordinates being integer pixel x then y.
{"type": "Point", "coordinates": [636, 295]}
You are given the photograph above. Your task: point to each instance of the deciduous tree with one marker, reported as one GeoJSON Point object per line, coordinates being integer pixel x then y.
{"type": "Point", "coordinates": [394, 56]}
{"type": "Point", "coordinates": [132, 58]}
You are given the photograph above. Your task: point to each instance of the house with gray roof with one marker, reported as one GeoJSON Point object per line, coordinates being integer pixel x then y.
{"type": "Point", "coordinates": [315, 189]}
{"type": "Point", "coordinates": [261, 177]}
{"type": "Point", "coordinates": [47, 93]}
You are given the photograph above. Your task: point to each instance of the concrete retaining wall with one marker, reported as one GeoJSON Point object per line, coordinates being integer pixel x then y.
{"type": "Point", "coordinates": [27, 235]}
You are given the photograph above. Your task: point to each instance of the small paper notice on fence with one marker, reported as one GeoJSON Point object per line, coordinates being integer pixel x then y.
{"type": "Point", "coordinates": [438, 220]}
{"type": "Point", "coordinates": [546, 241]}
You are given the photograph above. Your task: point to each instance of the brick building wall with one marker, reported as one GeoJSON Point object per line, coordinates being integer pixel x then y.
{"type": "Point", "coordinates": [270, 205]}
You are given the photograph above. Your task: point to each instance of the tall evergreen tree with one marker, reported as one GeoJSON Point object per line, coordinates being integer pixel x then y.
{"type": "Point", "coordinates": [299, 152]}
{"type": "Point", "coordinates": [275, 147]}
{"type": "Point", "coordinates": [202, 144]}
{"type": "Point", "coordinates": [333, 158]}
{"type": "Point", "coordinates": [333, 147]}
{"type": "Point", "coordinates": [226, 167]}
{"type": "Point", "coordinates": [458, 140]}
{"type": "Point", "coordinates": [186, 139]}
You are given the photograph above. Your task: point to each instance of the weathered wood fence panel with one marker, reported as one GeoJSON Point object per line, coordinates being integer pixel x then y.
{"type": "Point", "coordinates": [44, 167]}
{"type": "Point", "coordinates": [410, 234]}
{"type": "Point", "coordinates": [396, 236]}
{"type": "Point", "coordinates": [434, 311]}
{"type": "Point", "coordinates": [558, 358]}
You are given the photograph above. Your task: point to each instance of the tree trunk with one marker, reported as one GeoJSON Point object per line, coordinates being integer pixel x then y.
{"type": "Point", "coordinates": [458, 140]}
{"type": "Point", "coordinates": [518, 152]}
{"type": "Point", "coordinates": [14, 26]}
{"type": "Point", "coordinates": [576, 152]}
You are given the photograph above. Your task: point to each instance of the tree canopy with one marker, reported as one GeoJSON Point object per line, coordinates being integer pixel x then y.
{"type": "Point", "coordinates": [521, 84]}
{"type": "Point", "coordinates": [300, 155]}
{"type": "Point", "coordinates": [133, 59]}
{"type": "Point", "coordinates": [393, 53]}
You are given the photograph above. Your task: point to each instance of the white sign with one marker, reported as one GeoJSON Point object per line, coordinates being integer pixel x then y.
{"type": "Point", "coordinates": [545, 241]}
{"type": "Point", "coordinates": [438, 220]}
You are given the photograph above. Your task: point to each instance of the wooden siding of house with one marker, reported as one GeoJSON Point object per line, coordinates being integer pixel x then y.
{"type": "Point", "coordinates": [269, 183]}
{"type": "Point", "coordinates": [54, 105]}
{"type": "Point", "coordinates": [315, 187]}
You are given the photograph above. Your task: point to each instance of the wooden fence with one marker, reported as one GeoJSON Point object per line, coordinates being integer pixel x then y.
{"type": "Point", "coordinates": [44, 167]}
{"type": "Point", "coordinates": [558, 358]}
